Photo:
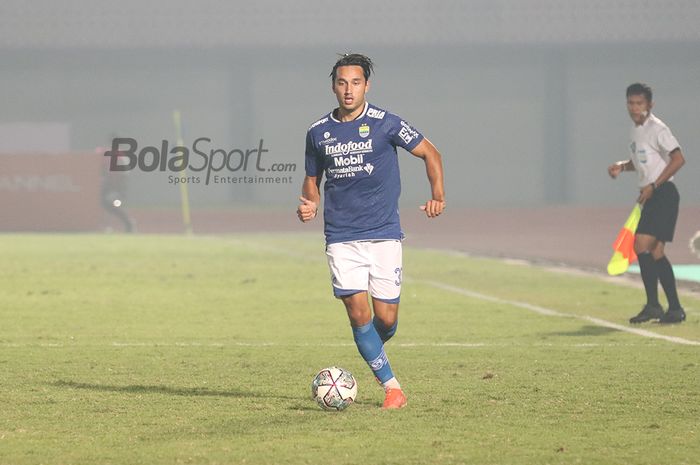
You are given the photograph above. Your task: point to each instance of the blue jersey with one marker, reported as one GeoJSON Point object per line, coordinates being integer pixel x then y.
{"type": "Point", "coordinates": [359, 160]}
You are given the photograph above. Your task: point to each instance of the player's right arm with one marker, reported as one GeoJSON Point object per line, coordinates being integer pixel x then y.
{"type": "Point", "coordinates": [433, 167]}
{"type": "Point", "coordinates": [310, 189]}
{"type": "Point", "coordinates": [619, 166]}
{"type": "Point", "coordinates": [310, 198]}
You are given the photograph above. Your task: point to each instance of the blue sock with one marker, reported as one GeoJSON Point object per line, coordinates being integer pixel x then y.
{"type": "Point", "coordinates": [372, 350]}
{"type": "Point", "coordinates": [385, 333]}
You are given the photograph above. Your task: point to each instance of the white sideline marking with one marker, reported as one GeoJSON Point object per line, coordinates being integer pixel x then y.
{"type": "Point", "coordinates": [549, 312]}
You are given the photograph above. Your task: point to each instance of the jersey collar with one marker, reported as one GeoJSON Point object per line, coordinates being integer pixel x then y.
{"type": "Point", "coordinates": [649, 117]}
{"type": "Point", "coordinates": [360, 116]}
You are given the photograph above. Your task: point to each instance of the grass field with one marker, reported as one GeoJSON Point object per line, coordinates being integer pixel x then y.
{"type": "Point", "coordinates": [168, 350]}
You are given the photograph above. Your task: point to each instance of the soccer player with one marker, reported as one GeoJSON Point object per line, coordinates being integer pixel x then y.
{"type": "Point", "coordinates": [355, 147]}
{"type": "Point", "coordinates": [656, 156]}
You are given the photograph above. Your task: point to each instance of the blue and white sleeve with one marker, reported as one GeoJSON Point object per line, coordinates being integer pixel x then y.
{"type": "Point", "coordinates": [401, 133]}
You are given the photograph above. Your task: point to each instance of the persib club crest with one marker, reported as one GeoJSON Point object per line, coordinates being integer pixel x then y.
{"type": "Point", "coordinates": [364, 130]}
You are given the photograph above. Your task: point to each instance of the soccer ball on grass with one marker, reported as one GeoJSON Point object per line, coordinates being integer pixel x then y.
{"type": "Point", "coordinates": [334, 388]}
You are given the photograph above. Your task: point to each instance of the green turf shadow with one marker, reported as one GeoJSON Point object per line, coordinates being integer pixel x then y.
{"type": "Point", "coordinates": [173, 391]}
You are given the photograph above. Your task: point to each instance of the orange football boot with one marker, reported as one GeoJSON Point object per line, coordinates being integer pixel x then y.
{"type": "Point", "coordinates": [395, 398]}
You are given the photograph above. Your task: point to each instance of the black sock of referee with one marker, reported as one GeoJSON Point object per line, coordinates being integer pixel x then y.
{"type": "Point", "coordinates": [650, 277]}
{"type": "Point", "coordinates": [668, 281]}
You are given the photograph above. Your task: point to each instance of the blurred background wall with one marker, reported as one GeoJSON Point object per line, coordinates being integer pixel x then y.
{"type": "Point", "coordinates": [525, 99]}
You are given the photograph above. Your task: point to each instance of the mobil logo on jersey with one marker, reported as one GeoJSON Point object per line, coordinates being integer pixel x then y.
{"type": "Point", "coordinates": [349, 160]}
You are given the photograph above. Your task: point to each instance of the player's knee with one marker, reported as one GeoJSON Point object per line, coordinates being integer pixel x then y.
{"type": "Point", "coordinates": [385, 321]}
{"type": "Point", "coordinates": [391, 330]}
{"type": "Point", "coordinates": [359, 316]}
{"type": "Point", "coordinates": [386, 326]}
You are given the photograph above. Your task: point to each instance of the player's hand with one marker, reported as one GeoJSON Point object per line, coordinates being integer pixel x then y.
{"type": "Point", "coordinates": [433, 208]}
{"type": "Point", "coordinates": [614, 170]}
{"type": "Point", "coordinates": [645, 193]}
{"type": "Point", "coordinates": [307, 210]}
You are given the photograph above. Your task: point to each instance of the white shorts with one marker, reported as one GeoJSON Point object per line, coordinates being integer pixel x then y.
{"type": "Point", "coordinates": [373, 266]}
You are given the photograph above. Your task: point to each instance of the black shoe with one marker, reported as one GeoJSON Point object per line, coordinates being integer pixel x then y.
{"type": "Point", "coordinates": [649, 312]}
{"type": "Point", "coordinates": [673, 315]}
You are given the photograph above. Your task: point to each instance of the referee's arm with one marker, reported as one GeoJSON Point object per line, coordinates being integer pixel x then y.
{"type": "Point", "coordinates": [677, 160]}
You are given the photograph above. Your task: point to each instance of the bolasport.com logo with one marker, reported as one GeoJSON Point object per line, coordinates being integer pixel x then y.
{"type": "Point", "coordinates": [208, 165]}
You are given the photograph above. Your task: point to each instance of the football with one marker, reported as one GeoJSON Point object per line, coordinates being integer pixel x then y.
{"type": "Point", "coordinates": [334, 388]}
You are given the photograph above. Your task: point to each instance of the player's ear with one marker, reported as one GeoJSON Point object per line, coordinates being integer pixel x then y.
{"type": "Point", "coordinates": [367, 85]}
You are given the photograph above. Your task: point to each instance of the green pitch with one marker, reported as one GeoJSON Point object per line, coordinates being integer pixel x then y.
{"type": "Point", "coordinates": [165, 350]}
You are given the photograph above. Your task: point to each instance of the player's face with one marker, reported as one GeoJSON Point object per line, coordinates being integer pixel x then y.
{"type": "Point", "coordinates": [638, 107]}
{"type": "Point", "coordinates": [350, 87]}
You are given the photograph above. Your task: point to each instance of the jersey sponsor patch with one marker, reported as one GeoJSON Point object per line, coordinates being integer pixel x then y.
{"type": "Point", "coordinates": [349, 148]}
{"type": "Point", "coordinates": [328, 139]}
{"type": "Point", "coordinates": [375, 113]}
{"type": "Point", "coordinates": [349, 160]}
{"type": "Point", "coordinates": [407, 133]}
{"type": "Point", "coordinates": [319, 122]}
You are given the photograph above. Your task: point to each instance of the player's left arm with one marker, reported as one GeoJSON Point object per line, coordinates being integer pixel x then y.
{"type": "Point", "coordinates": [677, 160]}
{"type": "Point", "coordinates": [433, 167]}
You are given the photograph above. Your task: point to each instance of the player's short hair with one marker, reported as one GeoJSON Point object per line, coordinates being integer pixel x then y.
{"type": "Point", "coordinates": [639, 88]}
{"type": "Point", "coordinates": [354, 59]}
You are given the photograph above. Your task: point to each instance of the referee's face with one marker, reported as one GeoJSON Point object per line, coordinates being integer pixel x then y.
{"type": "Point", "coordinates": [638, 107]}
{"type": "Point", "coordinates": [350, 87]}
